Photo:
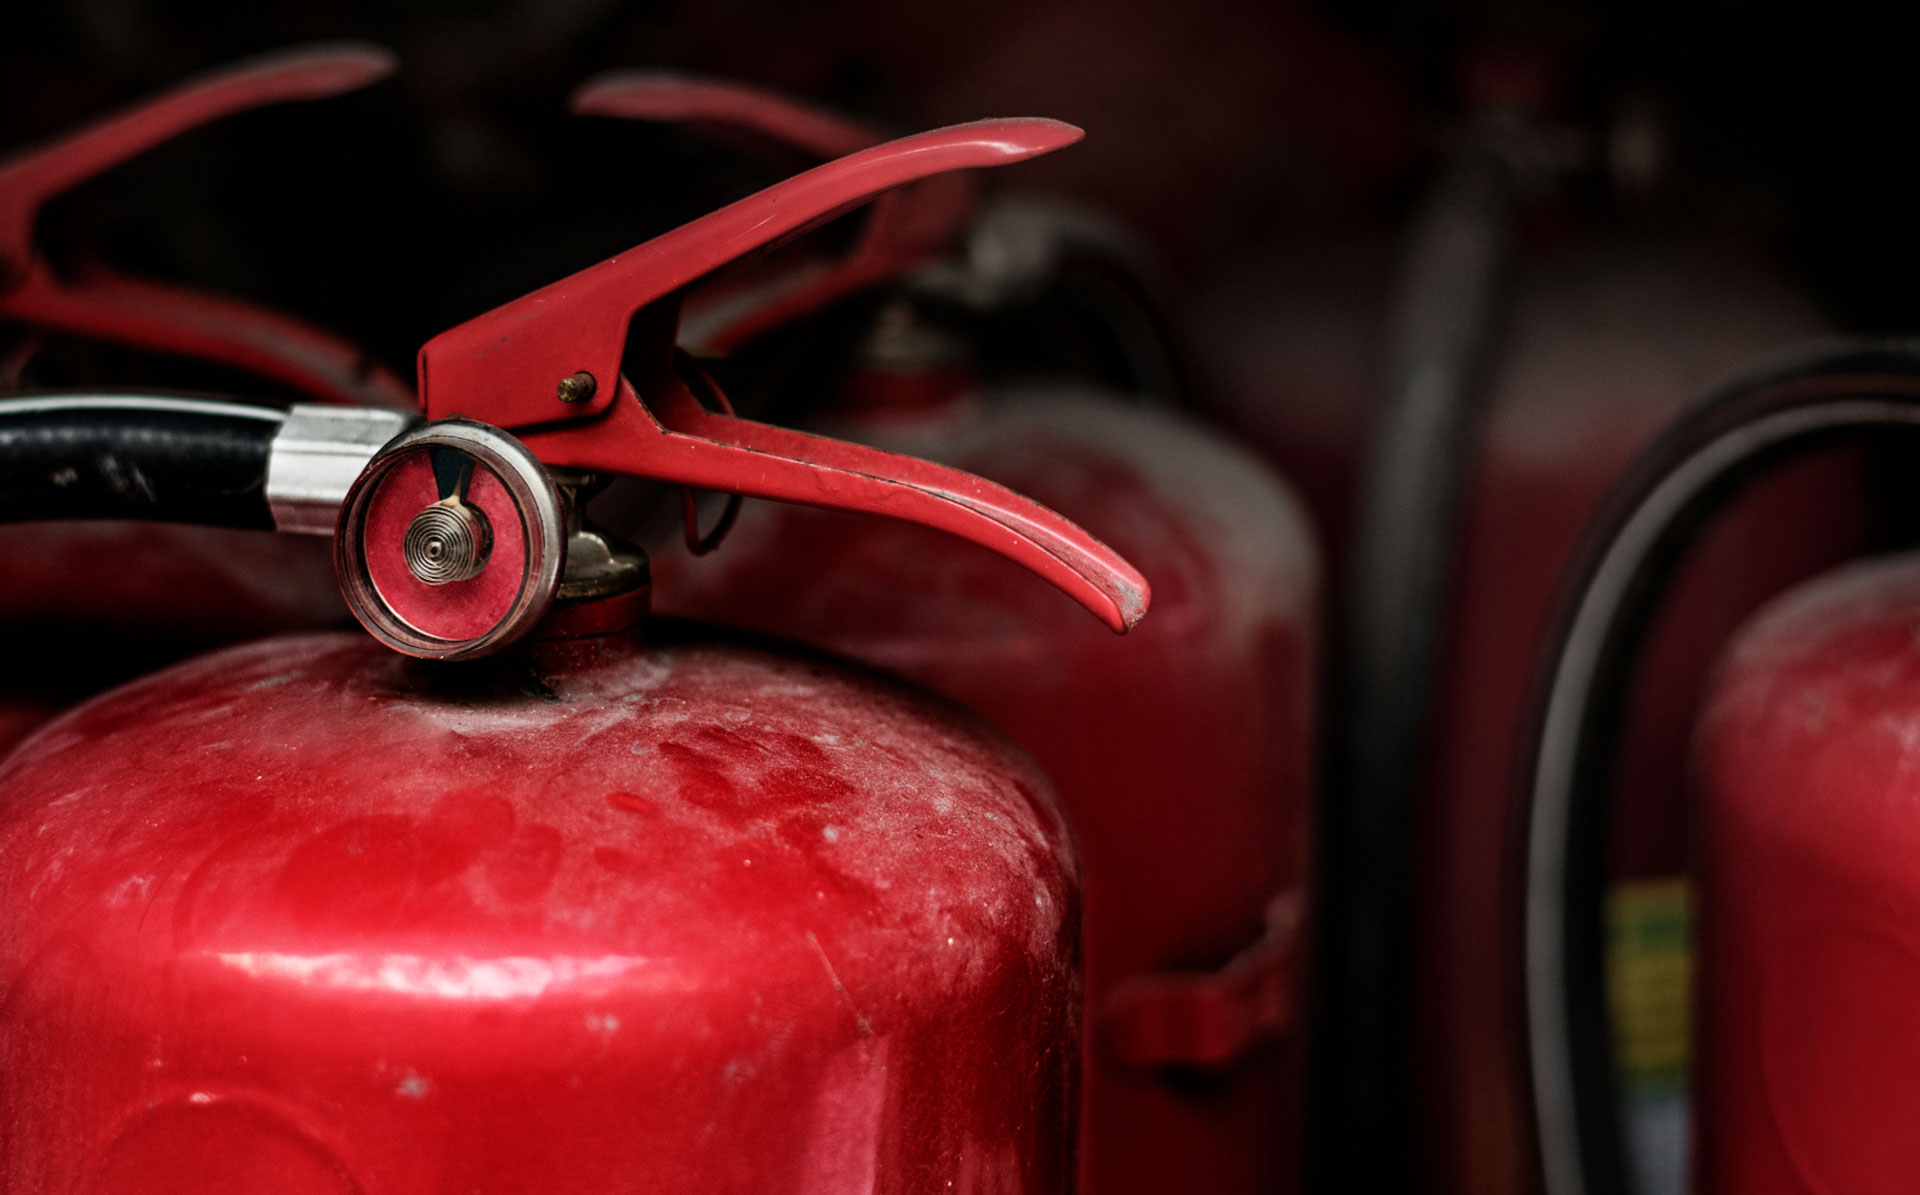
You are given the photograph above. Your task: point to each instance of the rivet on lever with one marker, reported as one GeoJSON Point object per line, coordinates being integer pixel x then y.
{"type": "Point", "coordinates": [577, 387]}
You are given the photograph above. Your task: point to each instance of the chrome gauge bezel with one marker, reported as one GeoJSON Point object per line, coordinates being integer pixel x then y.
{"type": "Point", "coordinates": [534, 496]}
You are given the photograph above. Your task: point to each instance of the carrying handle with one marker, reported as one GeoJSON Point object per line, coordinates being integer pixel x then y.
{"type": "Point", "coordinates": [547, 367]}
{"type": "Point", "coordinates": [108, 306]}
{"type": "Point", "coordinates": [1211, 1019]}
{"type": "Point", "coordinates": [905, 229]}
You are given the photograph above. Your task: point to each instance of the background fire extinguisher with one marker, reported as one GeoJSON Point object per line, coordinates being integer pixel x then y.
{"type": "Point", "coordinates": [1535, 337]}
{"type": "Point", "coordinates": [157, 592]}
{"type": "Point", "coordinates": [1802, 813]}
{"type": "Point", "coordinates": [562, 905]}
{"type": "Point", "coordinates": [1184, 760]}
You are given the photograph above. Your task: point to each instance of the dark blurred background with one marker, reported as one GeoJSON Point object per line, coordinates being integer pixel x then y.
{"type": "Point", "coordinates": [1214, 125]}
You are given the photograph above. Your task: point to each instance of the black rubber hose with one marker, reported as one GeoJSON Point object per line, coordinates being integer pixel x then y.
{"type": "Point", "coordinates": [1449, 310]}
{"type": "Point", "coordinates": [1623, 568]}
{"type": "Point", "coordinates": [175, 460]}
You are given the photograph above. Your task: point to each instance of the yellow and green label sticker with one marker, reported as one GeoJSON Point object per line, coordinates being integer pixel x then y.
{"type": "Point", "coordinates": [1650, 974]}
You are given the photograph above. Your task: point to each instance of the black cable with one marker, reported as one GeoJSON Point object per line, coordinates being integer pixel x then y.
{"type": "Point", "coordinates": [106, 457]}
{"type": "Point", "coordinates": [1623, 567]}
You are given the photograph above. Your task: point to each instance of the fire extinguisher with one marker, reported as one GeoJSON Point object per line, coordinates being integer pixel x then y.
{"type": "Point", "coordinates": [1803, 1073]}
{"type": "Point", "coordinates": [559, 905]}
{"type": "Point", "coordinates": [1185, 761]}
{"type": "Point", "coordinates": [1530, 353]}
{"type": "Point", "coordinates": [169, 588]}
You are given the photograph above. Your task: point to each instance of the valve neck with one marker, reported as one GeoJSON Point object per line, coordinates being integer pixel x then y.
{"type": "Point", "coordinates": [606, 584]}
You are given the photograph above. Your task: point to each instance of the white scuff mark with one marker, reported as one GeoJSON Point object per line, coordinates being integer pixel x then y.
{"type": "Point", "coordinates": [274, 681]}
{"type": "Point", "coordinates": [840, 989]}
{"type": "Point", "coordinates": [830, 833]}
{"type": "Point", "coordinates": [510, 978]}
{"type": "Point", "coordinates": [598, 722]}
{"type": "Point", "coordinates": [131, 888]}
{"type": "Point", "coordinates": [474, 721]}
{"type": "Point", "coordinates": [413, 1087]}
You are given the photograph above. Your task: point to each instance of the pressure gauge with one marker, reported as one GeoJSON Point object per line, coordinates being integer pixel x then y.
{"type": "Point", "coordinates": [451, 542]}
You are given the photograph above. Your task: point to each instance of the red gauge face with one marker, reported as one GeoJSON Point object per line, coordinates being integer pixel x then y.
{"type": "Point", "coordinates": [450, 544]}
{"type": "Point", "coordinates": [453, 610]}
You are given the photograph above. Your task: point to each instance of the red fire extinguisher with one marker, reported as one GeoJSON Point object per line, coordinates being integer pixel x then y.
{"type": "Point", "coordinates": [1532, 350]}
{"type": "Point", "coordinates": [1804, 1070]}
{"type": "Point", "coordinates": [565, 906]}
{"type": "Point", "coordinates": [1184, 761]}
{"type": "Point", "coordinates": [167, 584]}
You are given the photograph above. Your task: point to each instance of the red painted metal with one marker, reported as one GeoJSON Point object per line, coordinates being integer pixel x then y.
{"type": "Point", "coordinates": [104, 305]}
{"type": "Point", "coordinates": [1810, 961]}
{"type": "Point", "coordinates": [1184, 754]}
{"type": "Point", "coordinates": [904, 229]}
{"type": "Point", "coordinates": [682, 917]}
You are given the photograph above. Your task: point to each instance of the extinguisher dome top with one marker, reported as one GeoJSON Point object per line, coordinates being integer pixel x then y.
{"type": "Point", "coordinates": [695, 804]}
{"type": "Point", "coordinates": [682, 918]}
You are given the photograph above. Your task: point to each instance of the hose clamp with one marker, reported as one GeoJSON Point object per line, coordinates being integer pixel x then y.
{"type": "Point", "coordinates": [317, 455]}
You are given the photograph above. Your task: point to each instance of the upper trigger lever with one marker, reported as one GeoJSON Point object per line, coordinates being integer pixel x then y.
{"type": "Point", "coordinates": [903, 230]}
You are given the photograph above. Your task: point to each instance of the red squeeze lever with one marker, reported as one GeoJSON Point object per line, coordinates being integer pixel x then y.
{"type": "Point", "coordinates": [547, 367]}
{"type": "Point", "coordinates": [905, 229]}
{"type": "Point", "coordinates": [114, 307]}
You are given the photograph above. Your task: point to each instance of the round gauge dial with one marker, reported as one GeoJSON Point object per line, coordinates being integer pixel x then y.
{"type": "Point", "coordinates": [450, 543]}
